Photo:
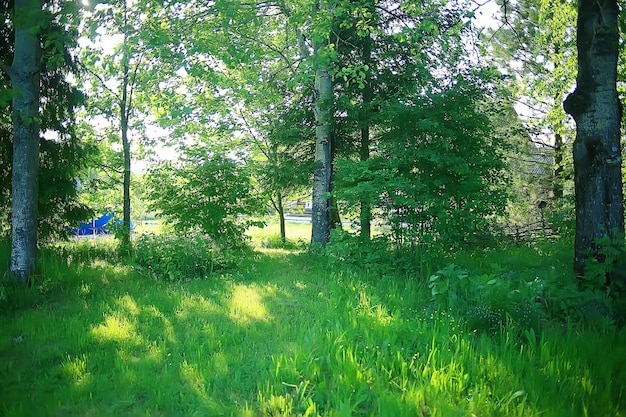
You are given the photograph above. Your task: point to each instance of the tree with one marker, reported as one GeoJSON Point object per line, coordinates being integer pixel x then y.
{"type": "Point", "coordinates": [62, 155]}
{"type": "Point", "coordinates": [249, 46]}
{"type": "Point", "coordinates": [324, 110]}
{"type": "Point", "coordinates": [25, 78]}
{"type": "Point", "coordinates": [596, 108]}
{"type": "Point", "coordinates": [438, 172]}
{"type": "Point", "coordinates": [124, 67]}
{"type": "Point", "coordinates": [535, 46]}
{"type": "Point", "coordinates": [281, 158]}
{"type": "Point", "coordinates": [387, 52]}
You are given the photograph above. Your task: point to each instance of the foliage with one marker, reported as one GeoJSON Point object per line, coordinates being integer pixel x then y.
{"type": "Point", "coordinates": [347, 252]}
{"type": "Point", "coordinates": [487, 302]}
{"type": "Point", "coordinates": [438, 174]}
{"type": "Point", "coordinates": [282, 163]}
{"type": "Point", "coordinates": [62, 156]}
{"type": "Point", "coordinates": [276, 242]}
{"type": "Point", "coordinates": [180, 257]}
{"type": "Point", "coordinates": [209, 191]}
{"type": "Point", "coordinates": [538, 37]}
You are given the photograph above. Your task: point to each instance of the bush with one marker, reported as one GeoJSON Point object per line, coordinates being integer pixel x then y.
{"type": "Point", "coordinates": [275, 242]}
{"type": "Point", "coordinates": [88, 251]}
{"type": "Point", "coordinates": [348, 251]}
{"type": "Point", "coordinates": [486, 302]}
{"type": "Point", "coordinates": [173, 257]}
{"type": "Point", "coordinates": [206, 191]}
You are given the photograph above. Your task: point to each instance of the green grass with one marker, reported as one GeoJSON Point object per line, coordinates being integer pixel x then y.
{"type": "Point", "coordinates": [294, 231]}
{"type": "Point", "coordinates": [284, 334]}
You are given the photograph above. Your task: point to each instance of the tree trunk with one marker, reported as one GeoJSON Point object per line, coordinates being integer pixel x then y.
{"type": "Point", "coordinates": [124, 116]}
{"type": "Point", "coordinates": [335, 216]}
{"type": "Point", "coordinates": [596, 108]}
{"type": "Point", "coordinates": [25, 80]}
{"type": "Point", "coordinates": [323, 150]}
{"type": "Point", "coordinates": [126, 183]}
{"type": "Point", "coordinates": [281, 217]}
{"type": "Point", "coordinates": [365, 217]}
{"type": "Point", "coordinates": [557, 179]}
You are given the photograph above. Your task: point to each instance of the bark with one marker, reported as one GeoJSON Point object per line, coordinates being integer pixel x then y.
{"type": "Point", "coordinates": [126, 182]}
{"type": "Point", "coordinates": [322, 175]}
{"type": "Point", "coordinates": [124, 116]}
{"type": "Point", "coordinates": [323, 156]}
{"type": "Point", "coordinates": [365, 217]}
{"type": "Point", "coordinates": [557, 185]}
{"type": "Point", "coordinates": [281, 217]}
{"type": "Point", "coordinates": [25, 80]}
{"type": "Point", "coordinates": [596, 108]}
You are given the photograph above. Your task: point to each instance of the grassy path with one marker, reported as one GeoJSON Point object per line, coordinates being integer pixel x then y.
{"type": "Point", "coordinates": [284, 336]}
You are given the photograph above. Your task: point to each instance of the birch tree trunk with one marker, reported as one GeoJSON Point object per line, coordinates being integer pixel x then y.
{"type": "Point", "coordinates": [323, 155]}
{"type": "Point", "coordinates": [596, 108]}
{"type": "Point", "coordinates": [25, 80]}
{"type": "Point", "coordinates": [322, 175]}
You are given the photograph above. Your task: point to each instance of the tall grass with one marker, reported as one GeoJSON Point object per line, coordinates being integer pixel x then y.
{"type": "Point", "coordinates": [285, 334]}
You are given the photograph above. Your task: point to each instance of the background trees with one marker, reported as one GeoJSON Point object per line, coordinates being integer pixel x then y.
{"type": "Point", "coordinates": [382, 107]}
{"type": "Point", "coordinates": [123, 69]}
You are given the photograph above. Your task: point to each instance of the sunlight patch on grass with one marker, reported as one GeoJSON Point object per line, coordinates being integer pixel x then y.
{"type": "Point", "coordinates": [195, 305]}
{"type": "Point", "coordinates": [246, 305]}
{"type": "Point", "coordinates": [374, 310]}
{"type": "Point", "coordinates": [294, 231]}
{"type": "Point", "coordinates": [194, 378]}
{"type": "Point", "coordinates": [128, 304]}
{"type": "Point", "coordinates": [114, 328]}
{"type": "Point", "coordinates": [76, 369]}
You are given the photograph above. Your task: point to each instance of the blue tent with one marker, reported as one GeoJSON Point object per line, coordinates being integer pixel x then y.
{"type": "Point", "coordinates": [94, 227]}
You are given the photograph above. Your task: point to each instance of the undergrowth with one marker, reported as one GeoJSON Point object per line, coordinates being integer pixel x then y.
{"type": "Point", "coordinates": [285, 333]}
{"type": "Point", "coordinates": [172, 257]}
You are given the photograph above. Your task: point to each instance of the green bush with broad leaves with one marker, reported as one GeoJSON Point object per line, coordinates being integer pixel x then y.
{"type": "Point", "coordinates": [170, 257]}
{"type": "Point", "coordinates": [348, 251]}
{"type": "Point", "coordinates": [209, 191]}
{"type": "Point", "coordinates": [438, 177]}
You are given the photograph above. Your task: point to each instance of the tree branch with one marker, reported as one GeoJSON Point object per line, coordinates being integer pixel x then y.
{"type": "Point", "coordinates": [256, 140]}
{"type": "Point", "coordinates": [132, 87]}
{"type": "Point", "coordinates": [99, 78]}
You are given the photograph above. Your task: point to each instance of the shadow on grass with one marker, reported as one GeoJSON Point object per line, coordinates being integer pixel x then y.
{"type": "Point", "coordinates": [107, 342]}
{"type": "Point", "coordinates": [279, 336]}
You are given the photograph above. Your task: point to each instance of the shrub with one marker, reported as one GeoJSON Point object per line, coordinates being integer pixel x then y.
{"type": "Point", "coordinates": [173, 257]}
{"type": "Point", "coordinates": [275, 242]}
{"type": "Point", "coordinates": [486, 302]}
{"type": "Point", "coordinates": [87, 250]}
{"type": "Point", "coordinates": [207, 191]}
{"type": "Point", "coordinates": [348, 251]}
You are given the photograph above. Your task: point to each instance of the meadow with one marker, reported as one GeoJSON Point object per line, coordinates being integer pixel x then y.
{"type": "Point", "coordinates": [288, 333]}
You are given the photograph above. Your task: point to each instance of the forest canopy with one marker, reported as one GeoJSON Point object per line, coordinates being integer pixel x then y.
{"type": "Point", "coordinates": [433, 125]}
